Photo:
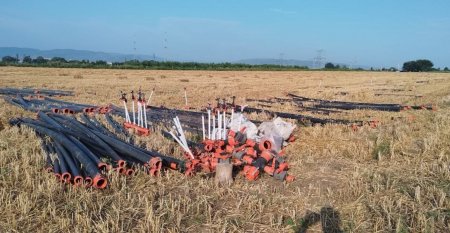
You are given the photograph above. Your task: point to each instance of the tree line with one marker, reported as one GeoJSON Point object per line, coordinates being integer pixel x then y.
{"type": "Point", "coordinates": [60, 62]}
{"type": "Point", "coordinates": [422, 65]}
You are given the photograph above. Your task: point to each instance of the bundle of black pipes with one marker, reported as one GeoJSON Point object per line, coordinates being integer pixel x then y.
{"type": "Point", "coordinates": [319, 103]}
{"type": "Point", "coordinates": [266, 103]}
{"type": "Point", "coordinates": [302, 118]}
{"type": "Point", "coordinates": [47, 104]}
{"type": "Point", "coordinates": [78, 152]}
{"type": "Point", "coordinates": [27, 91]}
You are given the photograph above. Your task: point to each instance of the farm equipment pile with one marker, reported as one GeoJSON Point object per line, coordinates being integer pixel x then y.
{"type": "Point", "coordinates": [80, 149]}
{"type": "Point", "coordinates": [79, 152]}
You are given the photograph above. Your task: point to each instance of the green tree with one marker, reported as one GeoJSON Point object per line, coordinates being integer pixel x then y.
{"type": "Point", "coordinates": [329, 65]}
{"type": "Point", "coordinates": [9, 59]}
{"type": "Point", "coordinates": [58, 59]}
{"type": "Point", "coordinates": [27, 59]}
{"type": "Point", "coordinates": [446, 69]}
{"type": "Point", "coordinates": [40, 60]}
{"type": "Point", "coordinates": [421, 65]}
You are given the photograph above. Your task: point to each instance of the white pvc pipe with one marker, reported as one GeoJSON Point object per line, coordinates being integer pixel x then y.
{"type": "Point", "coordinates": [127, 116]}
{"type": "Point", "coordinates": [145, 115]}
{"type": "Point", "coordinates": [139, 113]}
{"type": "Point", "coordinates": [182, 145]}
{"type": "Point", "coordinates": [224, 125]}
{"type": "Point", "coordinates": [134, 114]}
{"type": "Point", "coordinates": [209, 124]}
{"type": "Point", "coordinates": [219, 125]}
{"type": "Point", "coordinates": [213, 135]}
{"type": "Point", "coordinates": [203, 126]}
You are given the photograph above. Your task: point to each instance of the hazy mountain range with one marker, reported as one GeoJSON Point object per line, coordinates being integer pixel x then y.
{"type": "Point", "coordinates": [73, 54]}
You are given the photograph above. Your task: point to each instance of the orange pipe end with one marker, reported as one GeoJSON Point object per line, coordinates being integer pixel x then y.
{"type": "Point", "coordinates": [129, 172]}
{"type": "Point", "coordinates": [99, 182]}
{"type": "Point", "coordinates": [102, 166]}
{"type": "Point", "coordinates": [265, 145]}
{"type": "Point", "coordinates": [65, 177]}
{"type": "Point", "coordinates": [121, 163]}
{"type": "Point", "coordinates": [88, 181]}
{"type": "Point", "coordinates": [77, 180]}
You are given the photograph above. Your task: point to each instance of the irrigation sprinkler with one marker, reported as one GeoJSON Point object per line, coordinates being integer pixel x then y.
{"type": "Point", "coordinates": [139, 127]}
{"type": "Point", "coordinates": [124, 100]}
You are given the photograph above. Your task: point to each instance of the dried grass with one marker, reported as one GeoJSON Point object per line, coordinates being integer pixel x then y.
{"type": "Point", "coordinates": [391, 179]}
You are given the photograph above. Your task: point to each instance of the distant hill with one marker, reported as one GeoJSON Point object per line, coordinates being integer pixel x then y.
{"type": "Point", "coordinates": [72, 54]}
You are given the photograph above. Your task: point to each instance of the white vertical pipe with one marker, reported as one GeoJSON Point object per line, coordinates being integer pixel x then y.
{"type": "Point", "coordinates": [145, 115]}
{"type": "Point", "coordinates": [139, 113]}
{"type": "Point", "coordinates": [203, 126]}
{"type": "Point", "coordinates": [209, 124]}
{"type": "Point", "coordinates": [219, 125]}
{"type": "Point", "coordinates": [127, 116]}
{"type": "Point", "coordinates": [134, 114]}
{"type": "Point", "coordinates": [224, 125]}
{"type": "Point", "coordinates": [213, 134]}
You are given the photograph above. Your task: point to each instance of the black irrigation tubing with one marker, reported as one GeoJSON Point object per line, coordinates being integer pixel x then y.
{"type": "Point", "coordinates": [115, 125]}
{"type": "Point", "coordinates": [61, 102]}
{"type": "Point", "coordinates": [121, 146]}
{"type": "Point", "coordinates": [92, 138]}
{"type": "Point", "coordinates": [138, 153]}
{"type": "Point", "coordinates": [14, 91]}
{"type": "Point", "coordinates": [299, 104]}
{"type": "Point", "coordinates": [68, 159]}
{"type": "Point", "coordinates": [302, 118]}
{"type": "Point", "coordinates": [301, 98]}
{"type": "Point", "coordinates": [89, 166]}
{"type": "Point", "coordinates": [397, 108]}
{"type": "Point", "coordinates": [92, 123]}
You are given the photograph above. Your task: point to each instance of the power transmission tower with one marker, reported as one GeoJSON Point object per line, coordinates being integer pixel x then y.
{"type": "Point", "coordinates": [166, 48]}
{"type": "Point", "coordinates": [319, 60]}
{"type": "Point", "coordinates": [281, 59]}
{"type": "Point", "coordinates": [134, 50]}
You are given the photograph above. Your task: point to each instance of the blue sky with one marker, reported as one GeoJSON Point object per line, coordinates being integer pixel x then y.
{"type": "Point", "coordinates": [367, 32]}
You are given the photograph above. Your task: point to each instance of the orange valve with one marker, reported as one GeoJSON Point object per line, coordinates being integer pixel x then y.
{"type": "Point", "coordinates": [251, 173]}
{"type": "Point", "coordinates": [267, 155]}
{"type": "Point", "coordinates": [269, 170]}
{"type": "Point", "coordinates": [229, 149]}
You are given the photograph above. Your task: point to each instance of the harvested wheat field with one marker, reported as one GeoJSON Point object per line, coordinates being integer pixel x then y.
{"type": "Point", "coordinates": [394, 177]}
